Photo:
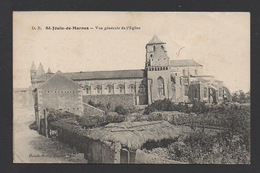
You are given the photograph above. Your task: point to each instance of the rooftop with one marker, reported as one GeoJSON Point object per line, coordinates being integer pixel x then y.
{"type": "Point", "coordinates": [134, 134]}
{"type": "Point", "coordinates": [155, 40]}
{"type": "Point", "coordinates": [117, 74]}
{"type": "Point", "coordinates": [184, 63]}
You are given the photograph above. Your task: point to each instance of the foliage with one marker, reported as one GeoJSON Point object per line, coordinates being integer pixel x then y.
{"type": "Point", "coordinates": [199, 107]}
{"type": "Point", "coordinates": [231, 145]}
{"type": "Point", "coordinates": [121, 110]}
{"type": "Point", "coordinates": [204, 148]}
{"type": "Point", "coordinates": [33, 126]}
{"type": "Point", "coordinates": [97, 121]}
{"type": "Point", "coordinates": [241, 97]}
{"type": "Point", "coordinates": [168, 105]}
{"type": "Point", "coordinates": [180, 152]}
{"type": "Point", "coordinates": [155, 117]}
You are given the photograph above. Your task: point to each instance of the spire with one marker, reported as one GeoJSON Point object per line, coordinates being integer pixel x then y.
{"type": "Point", "coordinates": [40, 70]}
{"type": "Point", "coordinates": [49, 70]}
{"type": "Point", "coordinates": [155, 40]}
{"type": "Point", "coordinates": [33, 67]}
{"type": "Point", "coordinates": [59, 72]}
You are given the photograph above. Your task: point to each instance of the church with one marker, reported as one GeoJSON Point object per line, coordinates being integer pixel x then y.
{"type": "Point", "coordinates": [162, 78]}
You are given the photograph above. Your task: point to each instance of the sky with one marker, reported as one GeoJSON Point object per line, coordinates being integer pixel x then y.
{"type": "Point", "coordinates": [220, 41]}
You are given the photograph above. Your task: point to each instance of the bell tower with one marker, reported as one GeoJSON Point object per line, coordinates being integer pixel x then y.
{"type": "Point", "coordinates": [156, 55]}
{"type": "Point", "coordinates": [157, 66]}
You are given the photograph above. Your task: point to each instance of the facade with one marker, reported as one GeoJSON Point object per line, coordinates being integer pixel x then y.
{"type": "Point", "coordinates": [162, 78]}
{"type": "Point", "coordinates": [58, 92]}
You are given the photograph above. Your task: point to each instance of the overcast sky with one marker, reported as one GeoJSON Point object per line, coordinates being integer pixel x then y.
{"type": "Point", "coordinates": [218, 41]}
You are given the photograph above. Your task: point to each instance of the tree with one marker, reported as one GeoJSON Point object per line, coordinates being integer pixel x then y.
{"type": "Point", "coordinates": [235, 96]}
{"type": "Point", "coordinates": [241, 97]}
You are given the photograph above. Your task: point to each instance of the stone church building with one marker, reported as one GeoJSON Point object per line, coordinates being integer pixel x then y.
{"type": "Point", "coordinates": [177, 80]}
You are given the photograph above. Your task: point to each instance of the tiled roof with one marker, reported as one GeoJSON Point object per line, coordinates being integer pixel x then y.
{"type": "Point", "coordinates": [59, 80]}
{"type": "Point", "coordinates": [118, 74]}
{"type": "Point", "coordinates": [155, 40]}
{"type": "Point", "coordinates": [184, 63]}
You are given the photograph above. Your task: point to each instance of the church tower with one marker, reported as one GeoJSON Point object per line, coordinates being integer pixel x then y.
{"type": "Point", "coordinates": [33, 71]}
{"type": "Point", "coordinates": [156, 54]}
{"type": "Point", "coordinates": [158, 70]}
{"type": "Point", "coordinates": [40, 70]}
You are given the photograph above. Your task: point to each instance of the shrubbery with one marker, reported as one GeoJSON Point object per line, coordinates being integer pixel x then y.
{"type": "Point", "coordinates": [229, 144]}
{"type": "Point", "coordinates": [97, 121]}
{"type": "Point", "coordinates": [155, 117]}
{"type": "Point", "coordinates": [121, 110]}
{"type": "Point", "coordinates": [99, 105]}
{"type": "Point", "coordinates": [33, 126]}
{"type": "Point", "coordinates": [202, 148]}
{"type": "Point", "coordinates": [168, 105]}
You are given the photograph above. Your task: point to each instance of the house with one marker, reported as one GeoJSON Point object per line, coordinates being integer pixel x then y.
{"type": "Point", "coordinates": [58, 92]}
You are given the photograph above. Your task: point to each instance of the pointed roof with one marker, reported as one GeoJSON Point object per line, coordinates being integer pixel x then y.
{"type": "Point", "coordinates": [49, 71]}
{"type": "Point", "coordinates": [59, 79]}
{"type": "Point", "coordinates": [40, 70]}
{"type": "Point", "coordinates": [155, 40]}
{"type": "Point", "coordinates": [33, 67]}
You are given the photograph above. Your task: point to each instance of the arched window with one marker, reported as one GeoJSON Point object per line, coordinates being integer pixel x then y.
{"type": "Point", "coordinates": [110, 89]}
{"type": "Point", "coordinates": [142, 89]}
{"type": "Point", "coordinates": [205, 92]}
{"type": "Point", "coordinates": [132, 88]}
{"type": "Point", "coordinates": [160, 86]}
{"type": "Point", "coordinates": [186, 90]}
{"type": "Point", "coordinates": [121, 89]}
{"type": "Point", "coordinates": [99, 89]}
{"type": "Point", "coordinates": [87, 90]}
{"type": "Point", "coordinates": [196, 93]}
{"type": "Point", "coordinates": [173, 79]}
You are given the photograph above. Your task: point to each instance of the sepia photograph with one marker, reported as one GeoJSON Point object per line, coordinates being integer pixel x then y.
{"type": "Point", "coordinates": [131, 87]}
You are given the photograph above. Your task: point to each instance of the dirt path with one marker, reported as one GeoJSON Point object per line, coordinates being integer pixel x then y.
{"type": "Point", "coordinates": [30, 147]}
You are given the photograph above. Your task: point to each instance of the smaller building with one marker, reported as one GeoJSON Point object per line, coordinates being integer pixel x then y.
{"type": "Point", "coordinates": [60, 93]}
{"type": "Point", "coordinates": [207, 89]}
{"type": "Point", "coordinates": [122, 142]}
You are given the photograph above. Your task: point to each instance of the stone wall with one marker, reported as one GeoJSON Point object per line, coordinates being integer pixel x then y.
{"type": "Point", "coordinates": [127, 100]}
{"type": "Point", "coordinates": [69, 100]}
{"type": "Point", "coordinates": [91, 110]}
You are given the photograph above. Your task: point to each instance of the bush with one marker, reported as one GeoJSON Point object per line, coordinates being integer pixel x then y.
{"type": "Point", "coordinates": [33, 126]}
{"type": "Point", "coordinates": [155, 117]}
{"type": "Point", "coordinates": [100, 105]}
{"type": "Point", "coordinates": [121, 110]}
{"type": "Point", "coordinates": [160, 105]}
{"type": "Point", "coordinates": [180, 152]}
{"type": "Point", "coordinates": [199, 107]}
{"type": "Point", "coordinates": [168, 105]}
{"type": "Point", "coordinates": [98, 121]}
